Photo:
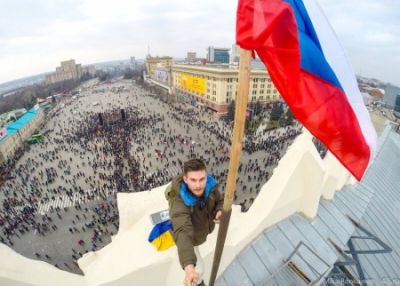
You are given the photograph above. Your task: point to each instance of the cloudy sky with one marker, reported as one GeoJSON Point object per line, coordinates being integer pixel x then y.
{"type": "Point", "coordinates": [35, 36]}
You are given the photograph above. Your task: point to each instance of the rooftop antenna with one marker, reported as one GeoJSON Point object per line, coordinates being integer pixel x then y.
{"type": "Point", "coordinates": [148, 51]}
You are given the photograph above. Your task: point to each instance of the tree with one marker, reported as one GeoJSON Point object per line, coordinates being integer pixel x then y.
{"type": "Point", "coordinates": [103, 76]}
{"type": "Point", "coordinates": [282, 120]}
{"type": "Point", "coordinates": [231, 110]}
{"type": "Point", "coordinates": [257, 107]}
{"type": "Point", "coordinates": [276, 111]}
{"type": "Point", "coordinates": [289, 117]}
{"type": "Point", "coordinates": [86, 76]}
{"type": "Point", "coordinates": [141, 80]}
{"type": "Point", "coordinates": [128, 74]}
{"type": "Point", "coordinates": [26, 97]}
{"type": "Point", "coordinates": [32, 101]}
{"type": "Point", "coordinates": [251, 105]}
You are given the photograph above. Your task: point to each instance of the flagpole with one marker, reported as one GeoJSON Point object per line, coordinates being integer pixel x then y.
{"type": "Point", "coordinates": [236, 152]}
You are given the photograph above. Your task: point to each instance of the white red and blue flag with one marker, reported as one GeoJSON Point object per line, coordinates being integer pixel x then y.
{"type": "Point", "coordinates": [310, 69]}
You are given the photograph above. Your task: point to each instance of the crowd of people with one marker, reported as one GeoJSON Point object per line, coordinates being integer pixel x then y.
{"type": "Point", "coordinates": [84, 157]}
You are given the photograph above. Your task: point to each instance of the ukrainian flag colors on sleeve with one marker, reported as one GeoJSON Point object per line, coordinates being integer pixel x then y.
{"type": "Point", "coordinates": [311, 71]}
{"type": "Point", "coordinates": [161, 237]}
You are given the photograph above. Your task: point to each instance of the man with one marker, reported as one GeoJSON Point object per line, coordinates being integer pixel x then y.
{"type": "Point", "coordinates": [195, 209]}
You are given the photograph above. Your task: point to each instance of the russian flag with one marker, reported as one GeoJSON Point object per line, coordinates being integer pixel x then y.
{"type": "Point", "coordinates": [310, 69]}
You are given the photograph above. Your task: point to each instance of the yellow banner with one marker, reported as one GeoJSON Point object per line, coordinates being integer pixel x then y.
{"type": "Point", "coordinates": [193, 83]}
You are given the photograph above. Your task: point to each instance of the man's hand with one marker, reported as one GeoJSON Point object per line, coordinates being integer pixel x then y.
{"type": "Point", "coordinates": [191, 276]}
{"type": "Point", "coordinates": [218, 215]}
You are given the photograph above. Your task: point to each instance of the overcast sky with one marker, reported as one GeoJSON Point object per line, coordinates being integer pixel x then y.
{"type": "Point", "coordinates": [35, 36]}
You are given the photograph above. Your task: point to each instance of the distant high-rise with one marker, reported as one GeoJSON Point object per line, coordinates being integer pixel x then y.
{"type": "Point", "coordinates": [89, 70]}
{"type": "Point", "coordinates": [133, 62]}
{"type": "Point", "coordinates": [122, 66]}
{"type": "Point", "coordinates": [391, 92]}
{"type": "Point", "coordinates": [67, 70]}
{"type": "Point", "coordinates": [191, 57]}
{"type": "Point", "coordinates": [235, 54]}
{"type": "Point", "coordinates": [396, 111]}
{"type": "Point", "coordinates": [220, 55]}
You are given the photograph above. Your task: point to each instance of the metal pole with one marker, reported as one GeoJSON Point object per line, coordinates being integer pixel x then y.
{"type": "Point", "coordinates": [236, 152]}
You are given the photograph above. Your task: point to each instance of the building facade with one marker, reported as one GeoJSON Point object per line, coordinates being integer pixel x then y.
{"type": "Point", "coordinates": [220, 55]}
{"type": "Point", "coordinates": [17, 135]}
{"type": "Point", "coordinates": [152, 63]}
{"type": "Point", "coordinates": [396, 111]}
{"type": "Point", "coordinates": [67, 70]}
{"type": "Point", "coordinates": [191, 57]}
{"type": "Point", "coordinates": [162, 77]}
{"type": "Point", "coordinates": [390, 95]}
{"type": "Point", "coordinates": [213, 89]}
{"type": "Point", "coordinates": [90, 70]}
{"type": "Point", "coordinates": [235, 54]}
{"type": "Point", "coordinates": [133, 63]}
{"type": "Point", "coordinates": [377, 93]}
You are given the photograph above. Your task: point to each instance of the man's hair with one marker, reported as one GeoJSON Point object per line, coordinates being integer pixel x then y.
{"type": "Point", "coordinates": [194, 165]}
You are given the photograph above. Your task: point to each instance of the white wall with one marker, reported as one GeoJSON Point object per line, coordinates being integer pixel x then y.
{"type": "Point", "coordinates": [295, 187]}
{"type": "Point", "coordinates": [16, 270]}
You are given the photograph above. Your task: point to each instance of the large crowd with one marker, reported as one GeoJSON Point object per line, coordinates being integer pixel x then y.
{"type": "Point", "coordinates": [137, 151]}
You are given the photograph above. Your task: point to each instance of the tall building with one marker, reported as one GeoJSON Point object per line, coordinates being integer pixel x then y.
{"type": "Point", "coordinates": [133, 63]}
{"type": "Point", "coordinates": [396, 111]}
{"type": "Point", "coordinates": [391, 92]}
{"type": "Point", "coordinates": [220, 55]}
{"type": "Point", "coordinates": [89, 69]}
{"type": "Point", "coordinates": [122, 66]}
{"type": "Point", "coordinates": [191, 57]}
{"type": "Point", "coordinates": [235, 54]}
{"type": "Point", "coordinates": [67, 70]}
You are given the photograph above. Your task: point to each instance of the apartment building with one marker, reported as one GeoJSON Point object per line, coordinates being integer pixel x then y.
{"type": "Point", "coordinates": [191, 57]}
{"type": "Point", "coordinates": [68, 70]}
{"type": "Point", "coordinates": [89, 69]}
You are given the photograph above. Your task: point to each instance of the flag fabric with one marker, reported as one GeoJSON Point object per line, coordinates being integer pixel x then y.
{"type": "Point", "coordinates": [161, 237]}
{"type": "Point", "coordinates": [310, 69]}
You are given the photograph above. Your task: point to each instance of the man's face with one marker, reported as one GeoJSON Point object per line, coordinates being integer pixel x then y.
{"type": "Point", "coordinates": [196, 181]}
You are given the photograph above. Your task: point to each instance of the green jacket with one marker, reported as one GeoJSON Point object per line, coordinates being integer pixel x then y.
{"type": "Point", "coordinates": [191, 224]}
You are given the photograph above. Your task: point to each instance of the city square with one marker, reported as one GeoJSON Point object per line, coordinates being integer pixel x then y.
{"type": "Point", "coordinates": [70, 179]}
{"type": "Point", "coordinates": [214, 143]}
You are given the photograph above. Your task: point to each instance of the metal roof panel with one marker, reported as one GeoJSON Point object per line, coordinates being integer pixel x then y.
{"type": "Point", "coordinates": [374, 202]}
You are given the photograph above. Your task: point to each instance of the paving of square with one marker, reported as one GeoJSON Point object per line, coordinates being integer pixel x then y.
{"type": "Point", "coordinates": [60, 199]}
